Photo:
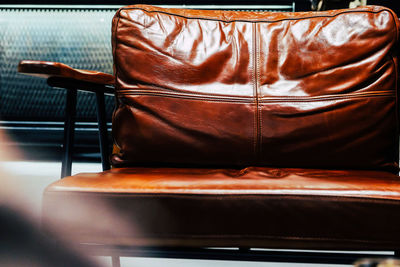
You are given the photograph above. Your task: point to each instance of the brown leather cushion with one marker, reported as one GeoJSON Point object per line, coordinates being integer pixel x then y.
{"type": "Point", "coordinates": [227, 88]}
{"type": "Point", "coordinates": [258, 207]}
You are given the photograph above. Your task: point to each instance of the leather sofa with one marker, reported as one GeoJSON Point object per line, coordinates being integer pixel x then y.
{"type": "Point", "coordinates": [242, 129]}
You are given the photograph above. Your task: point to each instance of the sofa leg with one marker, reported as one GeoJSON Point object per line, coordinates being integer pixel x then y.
{"type": "Point", "coordinates": [69, 131]}
{"type": "Point", "coordinates": [115, 261]}
{"type": "Point", "coordinates": [103, 134]}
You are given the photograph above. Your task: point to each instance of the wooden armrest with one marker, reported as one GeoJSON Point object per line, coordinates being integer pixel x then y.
{"type": "Point", "coordinates": [48, 69]}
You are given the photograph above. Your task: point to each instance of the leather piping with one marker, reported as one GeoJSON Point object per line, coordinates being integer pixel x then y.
{"type": "Point", "coordinates": [114, 49]}
{"type": "Point", "coordinates": [257, 81]}
{"type": "Point", "coordinates": [255, 93]}
{"type": "Point", "coordinates": [279, 99]}
{"type": "Point", "coordinates": [261, 21]}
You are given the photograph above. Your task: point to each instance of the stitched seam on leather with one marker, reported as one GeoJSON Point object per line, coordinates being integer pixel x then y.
{"type": "Point", "coordinates": [278, 98]}
{"type": "Point", "coordinates": [133, 91]}
{"type": "Point", "coordinates": [244, 101]}
{"type": "Point", "coordinates": [262, 21]}
{"type": "Point", "coordinates": [255, 90]}
{"type": "Point", "coordinates": [159, 89]}
{"type": "Point", "coordinates": [117, 103]}
{"type": "Point", "coordinates": [294, 99]}
{"type": "Point", "coordinates": [334, 96]}
{"type": "Point", "coordinates": [188, 94]}
{"type": "Point", "coordinates": [233, 101]}
{"type": "Point", "coordinates": [258, 45]}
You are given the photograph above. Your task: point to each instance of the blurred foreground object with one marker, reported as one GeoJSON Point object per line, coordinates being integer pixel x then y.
{"type": "Point", "coordinates": [22, 243]}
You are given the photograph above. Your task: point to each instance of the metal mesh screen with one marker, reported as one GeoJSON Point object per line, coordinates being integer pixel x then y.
{"type": "Point", "coordinates": [79, 38]}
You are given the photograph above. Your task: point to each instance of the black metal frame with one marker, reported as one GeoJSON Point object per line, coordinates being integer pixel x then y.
{"type": "Point", "coordinates": [69, 132]}
{"type": "Point", "coordinates": [72, 87]}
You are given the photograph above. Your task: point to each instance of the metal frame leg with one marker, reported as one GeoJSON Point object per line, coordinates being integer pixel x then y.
{"type": "Point", "coordinates": [103, 135]}
{"type": "Point", "coordinates": [72, 86]}
{"type": "Point", "coordinates": [69, 132]}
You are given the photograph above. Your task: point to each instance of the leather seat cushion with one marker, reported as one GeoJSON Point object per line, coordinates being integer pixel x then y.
{"type": "Point", "coordinates": [256, 206]}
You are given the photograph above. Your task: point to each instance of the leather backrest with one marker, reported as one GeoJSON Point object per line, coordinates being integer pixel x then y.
{"type": "Point", "coordinates": [227, 88]}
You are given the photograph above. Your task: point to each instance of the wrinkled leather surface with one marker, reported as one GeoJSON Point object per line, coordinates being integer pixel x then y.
{"type": "Point", "coordinates": [228, 88]}
{"type": "Point", "coordinates": [257, 207]}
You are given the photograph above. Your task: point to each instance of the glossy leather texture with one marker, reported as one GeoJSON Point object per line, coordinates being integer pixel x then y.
{"type": "Point", "coordinates": [227, 88]}
{"type": "Point", "coordinates": [251, 207]}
